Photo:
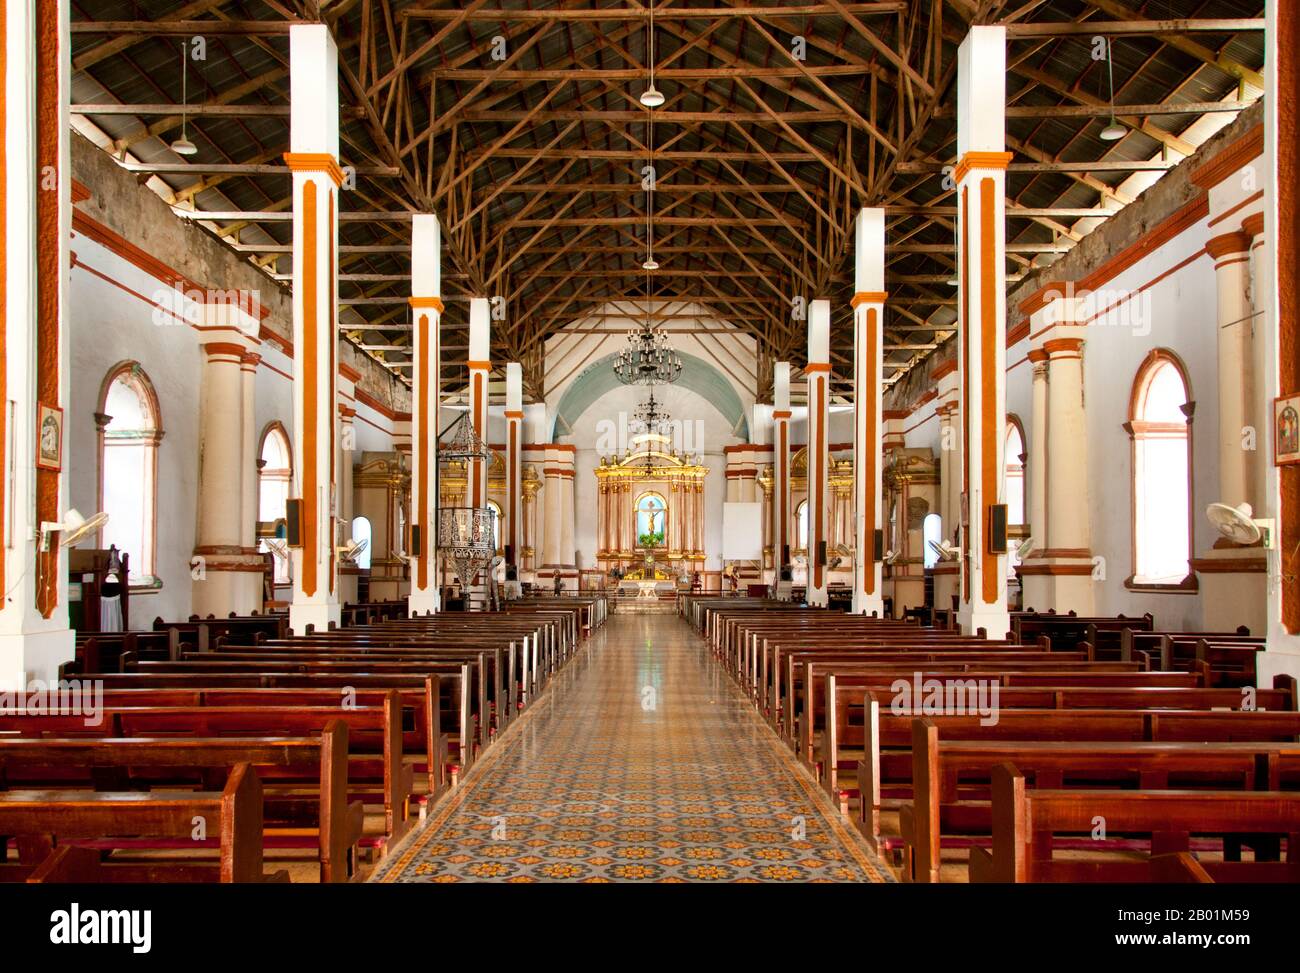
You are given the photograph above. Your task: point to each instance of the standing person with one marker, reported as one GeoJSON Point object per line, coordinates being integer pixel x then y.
{"type": "Point", "coordinates": [559, 583]}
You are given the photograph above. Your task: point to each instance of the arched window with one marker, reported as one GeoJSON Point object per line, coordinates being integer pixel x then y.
{"type": "Point", "coordinates": [1159, 426]}
{"type": "Point", "coordinates": [130, 429]}
{"type": "Point", "coordinates": [496, 525]}
{"type": "Point", "coordinates": [1013, 472]}
{"type": "Point", "coordinates": [361, 531]}
{"type": "Point", "coordinates": [801, 526]}
{"type": "Point", "coordinates": [651, 520]}
{"type": "Point", "coordinates": [931, 530]}
{"type": "Point", "coordinates": [274, 473]}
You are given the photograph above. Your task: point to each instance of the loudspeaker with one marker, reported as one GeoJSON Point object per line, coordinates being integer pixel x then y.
{"type": "Point", "coordinates": [415, 549]}
{"type": "Point", "coordinates": [821, 553]}
{"type": "Point", "coordinates": [878, 546]}
{"type": "Point", "coordinates": [293, 523]}
{"type": "Point", "coordinates": [510, 554]}
{"type": "Point", "coordinates": [998, 528]}
{"type": "Point", "coordinates": [785, 553]}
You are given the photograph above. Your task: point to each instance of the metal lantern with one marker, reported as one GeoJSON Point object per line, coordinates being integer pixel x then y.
{"type": "Point", "coordinates": [466, 535]}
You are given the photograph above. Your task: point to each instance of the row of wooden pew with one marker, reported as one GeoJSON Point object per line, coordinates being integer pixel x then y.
{"type": "Point", "coordinates": [1031, 761]}
{"type": "Point", "coordinates": [325, 747]}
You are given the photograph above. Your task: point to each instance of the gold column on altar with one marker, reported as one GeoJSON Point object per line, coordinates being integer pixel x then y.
{"type": "Point", "coordinates": [650, 467]}
{"type": "Point", "coordinates": [528, 551]}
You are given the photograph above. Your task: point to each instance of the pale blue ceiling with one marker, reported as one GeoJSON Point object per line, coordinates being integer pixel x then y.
{"type": "Point", "coordinates": [598, 379]}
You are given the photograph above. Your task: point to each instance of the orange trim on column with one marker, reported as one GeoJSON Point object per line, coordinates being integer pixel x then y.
{"type": "Point", "coordinates": [4, 302]}
{"type": "Point", "coordinates": [315, 162]}
{"type": "Point", "coordinates": [333, 339]}
{"type": "Point", "coordinates": [964, 332]}
{"type": "Point", "coordinates": [782, 488]}
{"type": "Point", "coordinates": [989, 431]}
{"type": "Point", "coordinates": [422, 469]}
{"type": "Point", "coordinates": [868, 297]}
{"type": "Point", "coordinates": [512, 469]}
{"type": "Point", "coordinates": [1235, 241]}
{"type": "Point", "coordinates": [980, 160]}
{"type": "Point", "coordinates": [476, 406]}
{"type": "Point", "coordinates": [429, 303]}
{"type": "Point", "coordinates": [870, 452]}
{"type": "Point", "coordinates": [310, 391]}
{"type": "Point", "coordinates": [819, 481]}
{"type": "Point", "coordinates": [1288, 272]}
{"type": "Point", "coordinates": [49, 275]}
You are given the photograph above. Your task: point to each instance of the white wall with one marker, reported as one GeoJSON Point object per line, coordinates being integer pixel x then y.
{"type": "Point", "coordinates": [111, 321]}
{"type": "Point", "coordinates": [113, 307]}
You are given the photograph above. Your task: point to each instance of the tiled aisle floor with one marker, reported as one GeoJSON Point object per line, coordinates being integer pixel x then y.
{"type": "Point", "coordinates": [641, 762]}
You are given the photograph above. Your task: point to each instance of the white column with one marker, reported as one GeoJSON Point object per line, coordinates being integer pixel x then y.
{"type": "Point", "coordinates": [34, 634]}
{"type": "Point", "coordinates": [248, 459]}
{"type": "Point", "coordinates": [980, 176]}
{"type": "Point", "coordinates": [1068, 544]}
{"type": "Point", "coordinates": [781, 466]}
{"type": "Point", "coordinates": [313, 157]}
{"type": "Point", "coordinates": [1038, 433]}
{"type": "Point", "coordinates": [226, 576]}
{"type": "Point", "coordinates": [1231, 254]}
{"type": "Point", "coordinates": [818, 370]}
{"type": "Point", "coordinates": [868, 356]}
{"type": "Point", "coordinates": [513, 529]}
{"type": "Point", "coordinates": [552, 501]}
{"type": "Point", "coordinates": [426, 313]}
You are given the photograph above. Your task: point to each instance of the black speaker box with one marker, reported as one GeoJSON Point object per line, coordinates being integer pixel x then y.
{"type": "Point", "coordinates": [998, 528]}
{"type": "Point", "coordinates": [293, 523]}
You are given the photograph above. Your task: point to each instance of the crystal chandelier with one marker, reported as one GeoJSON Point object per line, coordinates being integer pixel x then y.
{"type": "Point", "coordinates": [466, 535]}
{"type": "Point", "coordinates": [648, 359]}
{"type": "Point", "coordinates": [651, 413]}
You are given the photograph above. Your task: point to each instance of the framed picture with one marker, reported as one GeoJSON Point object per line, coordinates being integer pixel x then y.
{"type": "Point", "coordinates": [49, 437]}
{"type": "Point", "coordinates": [1286, 429]}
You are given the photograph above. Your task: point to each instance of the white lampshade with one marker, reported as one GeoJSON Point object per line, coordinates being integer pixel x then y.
{"type": "Point", "coordinates": [652, 97]}
{"type": "Point", "coordinates": [1113, 132]}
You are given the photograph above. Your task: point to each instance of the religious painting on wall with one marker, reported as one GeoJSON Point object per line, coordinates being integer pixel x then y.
{"type": "Point", "coordinates": [49, 437]}
{"type": "Point", "coordinates": [1286, 429]}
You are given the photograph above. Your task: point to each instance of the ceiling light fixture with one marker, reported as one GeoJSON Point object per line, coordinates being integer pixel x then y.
{"type": "Point", "coordinates": [652, 97]}
{"type": "Point", "coordinates": [183, 146]}
{"type": "Point", "coordinates": [1114, 131]}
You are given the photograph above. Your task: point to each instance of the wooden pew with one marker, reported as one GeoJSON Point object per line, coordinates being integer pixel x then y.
{"type": "Point", "coordinates": [1026, 819]}
{"type": "Point", "coordinates": [950, 778]}
{"type": "Point", "coordinates": [68, 765]}
{"type": "Point", "coordinates": [40, 822]}
{"type": "Point", "coordinates": [887, 744]}
{"type": "Point", "coordinates": [386, 780]}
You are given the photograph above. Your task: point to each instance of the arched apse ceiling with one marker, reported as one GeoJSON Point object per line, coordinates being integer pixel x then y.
{"type": "Point", "coordinates": [598, 379]}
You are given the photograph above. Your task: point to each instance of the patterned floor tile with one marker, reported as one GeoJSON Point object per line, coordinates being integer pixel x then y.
{"type": "Point", "coordinates": [641, 762]}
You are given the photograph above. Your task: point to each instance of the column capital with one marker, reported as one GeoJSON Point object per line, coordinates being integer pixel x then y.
{"type": "Point", "coordinates": [1227, 243]}
{"type": "Point", "coordinates": [868, 297]}
{"type": "Point", "coordinates": [315, 162]}
{"type": "Point", "coordinates": [430, 303]}
{"type": "Point", "coordinates": [1062, 347]}
{"type": "Point", "coordinates": [227, 350]}
{"type": "Point", "coordinates": [975, 159]}
{"type": "Point", "coordinates": [1253, 224]}
{"type": "Point", "coordinates": [1037, 355]}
